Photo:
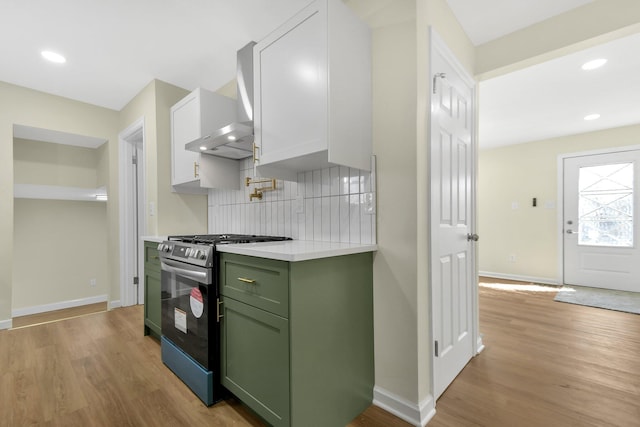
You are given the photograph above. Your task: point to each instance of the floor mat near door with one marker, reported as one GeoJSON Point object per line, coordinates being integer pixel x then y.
{"type": "Point", "coordinates": [602, 298]}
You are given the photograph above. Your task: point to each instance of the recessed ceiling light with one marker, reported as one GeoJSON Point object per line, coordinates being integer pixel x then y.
{"type": "Point", "coordinates": [592, 117]}
{"type": "Point", "coordinates": [53, 57]}
{"type": "Point", "coordinates": [592, 65]}
{"type": "Point", "coordinates": [231, 138]}
{"type": "Point", "coordinates": [203, 148]}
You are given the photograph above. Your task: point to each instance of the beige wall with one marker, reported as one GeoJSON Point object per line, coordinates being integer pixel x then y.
{"type": "Point", "coordinates": [32, 108]}
{"type": "Point", "coordinates": [44, 163]}
{"type": "Point", "coordinates": [401, 88]}
{"type": "Point", "coordinates": [142, 106]}
{"type": "Point", "coordinates": [518, 173]}
{"type": "Point", "coordinates": [48, 267]}
{"type": "Point", "coordinates": [49, 232]}
{"type": "Point", "coordinates": [64, 165]}
{"type": "Point", "coordinates": [176, 213]}
{"type": "Point", "coordinates": [395, 263]}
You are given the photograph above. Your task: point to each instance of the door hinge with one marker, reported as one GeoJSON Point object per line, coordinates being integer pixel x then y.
{"type": "Point", "coordinates": [435, 78]}
{"type": "Point", "coordinates": [134, 160]}
{"type": "Point", "coordinates": [436, 348]}
{"type": "Point", "coordinates": [136, 280]}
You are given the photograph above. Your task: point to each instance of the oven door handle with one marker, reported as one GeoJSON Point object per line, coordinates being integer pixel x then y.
{"type": "Point", "coordinates": [175, 267]}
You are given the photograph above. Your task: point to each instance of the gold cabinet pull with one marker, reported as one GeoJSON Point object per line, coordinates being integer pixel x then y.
{"type": "Point", "coordinates": [255, 158]}
{"type": "Point", "coordinates": [195, 170]}
{"type": "Point", "coordinates": [245, 280]}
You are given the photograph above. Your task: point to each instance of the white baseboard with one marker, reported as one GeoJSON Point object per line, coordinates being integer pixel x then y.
{"type": "Point", "coordinates": [6, 324]}
{"type": "Point", "coordinates": [57, 306]}
{"type": "Point", "coordinates": [115, 304]}
{"type": "Point", "coordinates": [417, 415]}
{"type": "Point", "coordinates": [533, 279]}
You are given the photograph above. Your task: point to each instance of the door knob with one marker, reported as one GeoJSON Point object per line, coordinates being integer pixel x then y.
{"type": "Point", "coordinates": [473, 237]}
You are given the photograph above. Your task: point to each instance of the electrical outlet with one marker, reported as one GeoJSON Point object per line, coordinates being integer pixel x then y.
{"type": "Point", "coordinates": [92, 283]}
{"type": "Point", "coordinates": [512, 258]}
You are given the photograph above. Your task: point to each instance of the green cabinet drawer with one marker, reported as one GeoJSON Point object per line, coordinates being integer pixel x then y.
{"type": "Point", "coordinates": [151, 258]}
{"type": "Point", "coordinates": [255, 359]}
{"type": "Point", "coordinates": [260, 282]}
{"type": "Point", "coordinates": [152, 303]}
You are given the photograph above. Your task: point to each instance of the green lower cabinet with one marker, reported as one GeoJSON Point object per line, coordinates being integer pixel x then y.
{"type": "Point", "coordinates": [312, 366]}
{"type": "Point", "coordinates": [152, 314]}
{"type": "Point", "coordinates": [152, 285]}
{"type": "Point", "coordinates": [255, 360]}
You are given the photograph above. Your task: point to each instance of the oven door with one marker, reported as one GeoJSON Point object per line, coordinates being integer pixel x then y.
{"type": "Point", "coordinates": [187, 292]}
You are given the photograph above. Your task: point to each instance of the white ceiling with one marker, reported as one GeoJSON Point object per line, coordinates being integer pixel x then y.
{"type": "Point", "coordinates": [551, 99]}
{"type": "Point", "coordinates": [115, 48]}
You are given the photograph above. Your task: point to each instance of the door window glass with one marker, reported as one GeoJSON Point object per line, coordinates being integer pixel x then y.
{"type": "Point", "coordinates": [605, 205]}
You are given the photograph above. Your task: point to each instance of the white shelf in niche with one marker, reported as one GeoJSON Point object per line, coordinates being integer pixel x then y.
{"type": "Point", "coordinates": [55, 192]}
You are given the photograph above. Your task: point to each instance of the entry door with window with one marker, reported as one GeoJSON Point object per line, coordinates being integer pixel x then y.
{"type": "Point", "coordinates": [600, 227]}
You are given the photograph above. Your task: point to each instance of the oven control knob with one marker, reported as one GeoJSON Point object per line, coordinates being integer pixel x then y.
{"type": "Point", "coordinates": [168, 248]}
{"type": "Point", "coordinates": [203, 255]}
{"type": "Point", "coordinates": [160, 245]}
{"type": "Point", "coordinates": [188, 252]}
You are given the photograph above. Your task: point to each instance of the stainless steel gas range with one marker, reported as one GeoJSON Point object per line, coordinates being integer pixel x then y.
{"type": "Point", "coordinates": [191, 308]}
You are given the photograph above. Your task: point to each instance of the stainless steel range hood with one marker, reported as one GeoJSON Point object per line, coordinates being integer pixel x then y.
{"type": "Point", "coordinates": [234, 140]}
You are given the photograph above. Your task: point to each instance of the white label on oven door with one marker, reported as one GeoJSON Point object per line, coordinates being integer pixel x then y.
{"type": "Point", "coordinates": [197, 303]}
{"type": "Point", "coordinates": [180, 320]}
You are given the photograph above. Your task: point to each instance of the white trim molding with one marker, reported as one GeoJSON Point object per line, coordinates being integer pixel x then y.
{"type": "Point", "coordinates": [128, 140]}
{"type": "Point", "coordinates": [57, 306]}
{"type": "Point", "coordinates": [6, 324]}
{"type": "Point", "coordinates": [415, 414]}
{"type": "Point", "coordinates": [520, 278]}
{"type": "Point", "coordinates": [115, 304]}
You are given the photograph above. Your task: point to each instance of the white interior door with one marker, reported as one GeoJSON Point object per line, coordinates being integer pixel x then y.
{"type": "Point", "coordinates": [600, 231]}
{"type": "Point", "coordinates": [453, 275]}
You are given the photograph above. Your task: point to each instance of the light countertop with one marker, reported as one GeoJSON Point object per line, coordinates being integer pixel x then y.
{"type": "Point", "coordinates": [296, 250]}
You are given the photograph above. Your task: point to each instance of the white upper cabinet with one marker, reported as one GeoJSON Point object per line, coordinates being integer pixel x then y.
{"type": "Point", "coordinates": [197, 115]}
{"type": "Point", "coordinates": [312, 80]}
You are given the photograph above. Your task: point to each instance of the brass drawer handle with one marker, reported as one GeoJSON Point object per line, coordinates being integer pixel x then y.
{"type": "Point", "coordinates": [156, 257]}
{"type": "Point", "coordinates": [242, 279]}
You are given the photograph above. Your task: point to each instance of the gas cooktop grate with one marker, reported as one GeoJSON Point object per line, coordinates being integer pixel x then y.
{"type": "Point", "coordinates": [221, 239]}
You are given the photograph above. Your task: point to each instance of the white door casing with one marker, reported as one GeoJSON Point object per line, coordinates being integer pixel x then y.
{"type": "Point", "coordinates": [132, 213]}
{"type": "Point", "coordinates": [453, 267]}
{"type": "Point", "coordinates": [600, 236]}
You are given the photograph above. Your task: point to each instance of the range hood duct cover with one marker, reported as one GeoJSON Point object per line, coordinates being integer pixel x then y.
{"type": "Point", "coordinates": [234, 140]}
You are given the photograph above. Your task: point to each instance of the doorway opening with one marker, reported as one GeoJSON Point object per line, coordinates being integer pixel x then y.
{"type": "Point", "coordinates": [132, 212]}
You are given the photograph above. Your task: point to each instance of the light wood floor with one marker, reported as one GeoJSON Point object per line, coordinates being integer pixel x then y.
{"type": "Point", "coordinates": [546, 364]}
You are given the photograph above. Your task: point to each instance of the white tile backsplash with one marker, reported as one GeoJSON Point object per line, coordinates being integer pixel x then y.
{"type": "Point", "coordinates": [335, 204]}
